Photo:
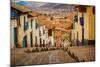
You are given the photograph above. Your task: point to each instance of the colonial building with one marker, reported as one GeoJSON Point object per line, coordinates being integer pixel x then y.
{"type": "Point", "coordinates": [29, 28]}
{"type": "Point", "coordinates": [83, 32]}
{"type": "Point", "coordinates": [51, 37]}
{"type": "Point", "coordinates": [43, 36]}
{"type": "Point", "coordinates": [19, 25]}
{"type": "Point", "coordinates": [13, 32]}
{"type": "Point", "coordinates": [50, 29]}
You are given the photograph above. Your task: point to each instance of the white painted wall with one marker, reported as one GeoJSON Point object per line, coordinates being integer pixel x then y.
{"type": "Point", "coordinates": [35, 32]}
{"type": "Point", "coordinates": [45, 35]}
{"type": "Point", "coordinates": [13, 24]}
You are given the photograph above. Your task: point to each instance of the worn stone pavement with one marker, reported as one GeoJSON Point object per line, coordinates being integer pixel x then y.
{"type": "Point", "coordinates": [86, 53]}
{"type": "Point", "coordinates": [18, 57]}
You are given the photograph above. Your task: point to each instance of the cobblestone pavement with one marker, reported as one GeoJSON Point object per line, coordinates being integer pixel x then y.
{"type": "Point", "coordinates": [86, 53]}
{"type": "Point", "coordinates": [19, 57]}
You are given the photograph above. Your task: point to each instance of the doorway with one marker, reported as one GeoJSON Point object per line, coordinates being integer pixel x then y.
{"type": "Point", "coordinates": [25, 41]}
{"type": "Point", "coordinates": [15, 36]}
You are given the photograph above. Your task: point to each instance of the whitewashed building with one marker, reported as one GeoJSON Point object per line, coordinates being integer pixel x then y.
{"type": "Point", "coordinates": [43, 35]}
{"type": "Point", "coordinates": [36, 41]}
{"type": "Point", "coordinates": [19, 25]}
{"type": "Point", "coordinates": [26, 30]}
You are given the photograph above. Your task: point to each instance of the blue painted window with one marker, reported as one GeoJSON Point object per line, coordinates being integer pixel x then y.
{"type": "Point", "coordinates": [14, 14]}
{"type": "Point", "coordinates": [82, 21]}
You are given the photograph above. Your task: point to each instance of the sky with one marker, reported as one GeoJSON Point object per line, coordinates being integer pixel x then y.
{"type": "Point", "coordinates": [28, 2]}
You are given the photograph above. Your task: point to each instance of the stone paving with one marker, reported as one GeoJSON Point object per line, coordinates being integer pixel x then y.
{"type": "Point", "coordinates": [46, 57]}
{"type": "Point", "coordinates": [84, 53]}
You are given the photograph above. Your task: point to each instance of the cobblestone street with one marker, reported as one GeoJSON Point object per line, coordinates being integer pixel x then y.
{"type": "Point", "coordinates": [72, 54]}
{"type": "Point", "coordinates": [47, 57]}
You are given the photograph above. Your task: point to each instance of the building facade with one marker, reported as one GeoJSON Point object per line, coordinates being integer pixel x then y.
{"type": "Point", "coordinates": [26, 30]}
{"type": "Point", "coordinates": [83, 32]}
{"type": "Point", "coordinates": [19, 25]}
{"type": "Point", "coordinates": [43, 36]}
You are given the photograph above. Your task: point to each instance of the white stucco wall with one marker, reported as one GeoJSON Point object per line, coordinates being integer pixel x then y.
{"type": "Point", "coordinates": [13, 24]}
{"type": "Point", "coordinates": [35, 32]}
{"type": "Point", "coordinates": [45, 35]}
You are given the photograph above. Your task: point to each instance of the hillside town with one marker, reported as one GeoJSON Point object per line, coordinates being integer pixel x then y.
{"type": "Point", "coordinates": [51, 34]}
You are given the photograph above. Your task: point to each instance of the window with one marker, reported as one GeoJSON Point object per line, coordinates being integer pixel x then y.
{"type": "Point", "coordinates": [76, 18]}
{"type": "Point", "coordinates": [40, 42]}
{"type": "Point", "coordinates": [93, 10]}
{"type": "Point", "coordinates": [25, 41]}
{"type": "Point", "coordinates": [81, 21]}
{"type": "Point", "coordinates": [36, 41]}
{"type": "Point", "coordinates": [43, 30]}
{"type": "Point", "coordinates": [15, 36]}
{"type": "Point", "coordinates": [43, 43]}
{"type": "Point", "coordinates": [39, 32]}
{"type": "Point", "coordinates": [72, 26]}
{"type": "Point", "coordinates": [50, 32]}
{"type": "Point", "coordinates": [31, 23]}
{"type": "Point", "coordinates": [31, 39]}
{"type": "Point", "coordinates": [36, 24]}
{"type": "Point", "coordinates": [14, 14]}
{"type": "Point", "coordinates": [25, 24]}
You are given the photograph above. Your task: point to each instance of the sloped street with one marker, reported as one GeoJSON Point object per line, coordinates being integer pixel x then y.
{"type": "Point", "coordinates": [47, 57]}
